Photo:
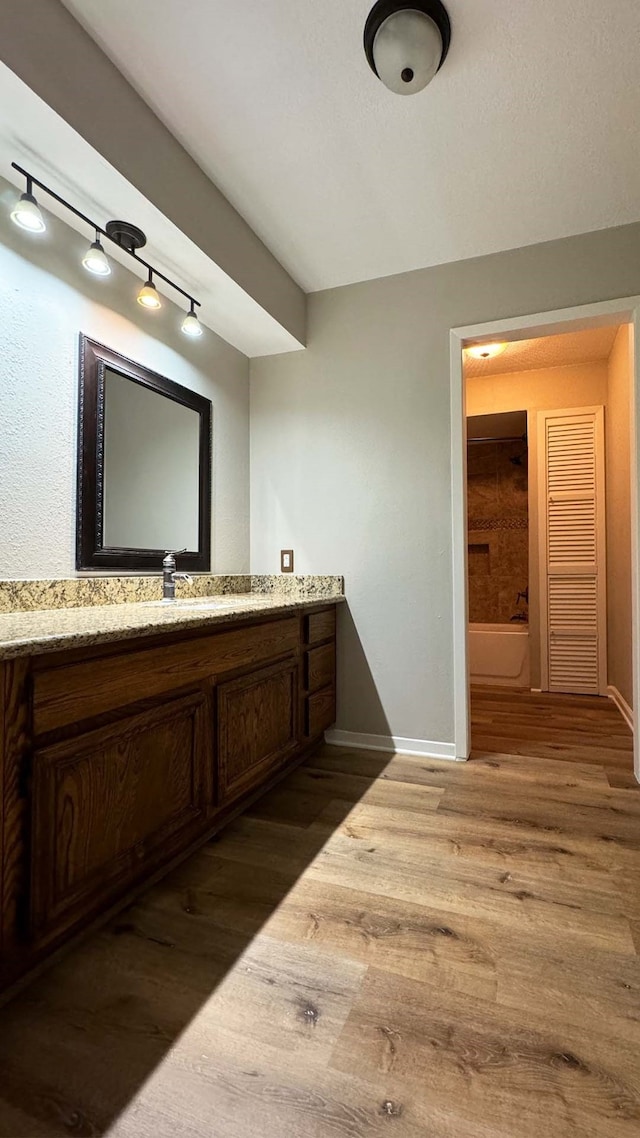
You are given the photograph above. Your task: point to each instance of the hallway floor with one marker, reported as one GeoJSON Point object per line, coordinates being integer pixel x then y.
{"type": "Point", "coordinates": [383, 945]}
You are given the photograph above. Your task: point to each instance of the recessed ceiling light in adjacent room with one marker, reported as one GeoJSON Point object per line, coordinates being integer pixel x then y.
{"type": "Point", "coordinates": [485, 351]}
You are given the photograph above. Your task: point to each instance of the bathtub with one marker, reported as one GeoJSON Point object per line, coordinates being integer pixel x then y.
{"type": "Point", "coordinates": [499, 654]}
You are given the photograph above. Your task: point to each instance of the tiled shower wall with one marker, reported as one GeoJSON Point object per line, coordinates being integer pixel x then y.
{"type": "Point", "coordinates": [498, 531]}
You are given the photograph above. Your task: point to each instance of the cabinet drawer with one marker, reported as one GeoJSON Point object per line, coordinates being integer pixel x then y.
{"type": "Point", "coordinates": [320, 712]}
{"type": "Point", "coordinates": [258, 727]}
{"type": "Point", "coordinates": [320, 667]}
{"type": "Point", "coordinates": [112, 805]}
{"type": "Point", "coordinates": [320, 625]}
{"type": "Point", "coordinates": [74, 692]}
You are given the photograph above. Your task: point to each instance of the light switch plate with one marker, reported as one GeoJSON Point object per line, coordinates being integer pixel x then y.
{"type": "Point", "coordinates": [286, 561]}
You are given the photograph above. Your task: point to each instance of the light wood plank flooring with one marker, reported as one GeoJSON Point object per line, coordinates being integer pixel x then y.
{"type": "Point", "coordinates": [383, 946]}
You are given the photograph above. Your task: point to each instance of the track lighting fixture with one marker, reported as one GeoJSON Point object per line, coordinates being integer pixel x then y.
{"type": "Point", "coordinates": [148, 295]}
{"type": "Point", "coordinates": [406, 42]}
{"type": "Point", "coordinates": [127, 236]}
{"type": "Point", "coordinates": [95, 259]}
{"type": "Point", "coordinates": [191, 326]}
{"type": "Point", "coordinates": [26, 212]}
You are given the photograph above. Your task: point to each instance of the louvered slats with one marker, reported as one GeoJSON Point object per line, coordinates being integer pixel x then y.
{"type": "Point", "coordinates": [572, 501]}
{"type": "Point", "coordinates": [573, 604]}
{"type": "Point", "coordinates": [573, 665]}
{"type": "Point", "coordinates": [571, 535]}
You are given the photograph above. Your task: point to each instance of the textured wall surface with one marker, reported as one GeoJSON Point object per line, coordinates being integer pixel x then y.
{"type": "Point", "coordinates": [350, 458]}
{"type": "Point", "coordinates": [46, 300]}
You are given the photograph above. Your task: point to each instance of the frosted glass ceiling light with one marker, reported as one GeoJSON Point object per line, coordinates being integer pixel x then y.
{"type": "Point", "coordinates": [191, 326]}
{"type": "Point", "coordinates": [148, 295]}
{"type": "Point", "coordinates": [95, 259]}
{"type": "Point", "coordinates": [406, 42]}
{"type": "Point", "coordinates": [26, 212]}
{"type": "Point", "coordinates": [485, 351]}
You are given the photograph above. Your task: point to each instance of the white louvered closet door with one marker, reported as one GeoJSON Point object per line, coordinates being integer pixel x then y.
{"type": "Point", "coordinates": [573, 554]}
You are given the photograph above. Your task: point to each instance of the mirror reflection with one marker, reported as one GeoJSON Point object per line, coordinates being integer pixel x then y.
{"type": "Point", "coordinates": [151, 468]}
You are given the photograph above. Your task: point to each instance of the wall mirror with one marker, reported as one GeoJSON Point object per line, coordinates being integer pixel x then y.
{"type": "Point", "coordinates": [144, 466]}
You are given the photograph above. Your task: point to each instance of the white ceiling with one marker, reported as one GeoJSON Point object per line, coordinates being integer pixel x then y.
{"type": "Point", "coordinates": [531, 131]}
{"type": "Point", "coordinates": [586, 346]}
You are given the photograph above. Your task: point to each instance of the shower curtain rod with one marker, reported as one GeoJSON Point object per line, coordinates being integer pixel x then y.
{"type": "Point", "coordinates": [500, 439]}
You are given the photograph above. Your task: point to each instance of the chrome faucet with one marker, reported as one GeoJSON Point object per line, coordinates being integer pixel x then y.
{"type": "Point", "coordinates": [170, 576]}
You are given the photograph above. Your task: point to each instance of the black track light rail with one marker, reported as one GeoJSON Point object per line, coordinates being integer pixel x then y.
{"type": "Point", "coordinates": [32, 181]}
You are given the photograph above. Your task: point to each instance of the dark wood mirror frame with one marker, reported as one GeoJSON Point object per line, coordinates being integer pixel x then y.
{"type": "Point", "coordinates": [90, 552]}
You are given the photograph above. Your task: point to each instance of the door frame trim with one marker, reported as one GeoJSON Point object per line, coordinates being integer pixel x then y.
{"type": "Point", "coordinates": [625, 310]}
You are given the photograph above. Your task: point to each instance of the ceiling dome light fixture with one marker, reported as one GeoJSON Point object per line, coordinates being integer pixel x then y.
{"type": "Point", "coordinates": [406, 42]}
{"type": "Point", "coordinates": [191, 326]}
{"type": "Point", "coordinates": [485, 351]}
{"type": "Point", "coordinates": [148, 295]}
{"type": "Point", "coordinates": [26, 212]}
{"type": "Point", "coordinates": [95, 259]}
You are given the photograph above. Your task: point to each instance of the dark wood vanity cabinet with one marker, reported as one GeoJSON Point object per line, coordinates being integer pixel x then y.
{"type": "Point", "coordinates": [257, 727]}
{"type": "Point", "coordinates": [319, 664]}
{"type": "Point", "coordinates": [120, 759]}
{"type": "Point", "coordinates": [110, 803]}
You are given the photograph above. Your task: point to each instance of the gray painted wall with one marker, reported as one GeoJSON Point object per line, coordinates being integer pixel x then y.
{"type": "Point", "coordinates": [350, 458]}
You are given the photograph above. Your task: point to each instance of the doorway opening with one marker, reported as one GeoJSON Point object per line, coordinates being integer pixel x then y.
{"type": "Point", "coordinates": [545, 513]}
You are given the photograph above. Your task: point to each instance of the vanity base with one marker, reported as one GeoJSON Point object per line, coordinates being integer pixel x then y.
{"type": "Point", "coordinates": [120, 760]}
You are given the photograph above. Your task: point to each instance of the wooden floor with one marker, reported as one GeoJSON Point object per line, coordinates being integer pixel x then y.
{"type": "Point", "coordinates": [384, 946]}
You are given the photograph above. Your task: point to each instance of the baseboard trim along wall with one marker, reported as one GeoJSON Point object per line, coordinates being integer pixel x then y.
{"type": "Point", "coordinates": [425, 748]}
{"type": "Point", "coordinates": [621, 704]}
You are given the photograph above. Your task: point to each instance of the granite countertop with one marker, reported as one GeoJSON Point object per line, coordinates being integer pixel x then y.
{"type": "Point", "coordinates": [49, 630]}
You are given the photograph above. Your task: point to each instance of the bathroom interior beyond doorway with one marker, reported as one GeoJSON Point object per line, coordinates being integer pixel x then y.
{"type": "Point", "coordinates": [606, 315]}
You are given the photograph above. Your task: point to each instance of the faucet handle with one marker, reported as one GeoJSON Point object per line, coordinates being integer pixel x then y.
{"type": "Point", "coordinates": [169, 561]}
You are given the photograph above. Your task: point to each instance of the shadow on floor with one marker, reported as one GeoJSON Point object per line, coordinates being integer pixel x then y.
{"type": "Point", "coordinates": [79, 1043]}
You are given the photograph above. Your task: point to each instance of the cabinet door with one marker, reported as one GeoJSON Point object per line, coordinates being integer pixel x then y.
{"type": "Point", "coordinates": [257, 727]}
{"type": "Point", "coordinates": [113, 804]}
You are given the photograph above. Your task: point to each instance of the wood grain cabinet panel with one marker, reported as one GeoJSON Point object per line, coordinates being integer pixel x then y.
{"type": "Point", "coordinates": [113, 804]}
{"type": "Point", "coordinates": [320, 626]}
{"type": "Point", "coordinates": [258, 726]}
{"type": "Point", "coordinates": [74, 692]}
{"type": "Point", "coordinates": [320, 712]}
{"type": "Point", "coordinates": [320, 667]}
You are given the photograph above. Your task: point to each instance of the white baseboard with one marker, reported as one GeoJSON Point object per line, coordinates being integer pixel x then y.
{"type": "Point", "coordinates": [621, 704]}
{"type": "Point", "coordinates": [425, 748]}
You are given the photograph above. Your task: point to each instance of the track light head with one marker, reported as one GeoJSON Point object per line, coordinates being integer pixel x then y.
{"type": "Point", "coordinates": [26, 214]}
{"type": "Point", "coordinates": [95, 259]}
{"type": "Point", "coordinates": [148, 295]}
{"type": "Point", "coordinates": [191, 326]}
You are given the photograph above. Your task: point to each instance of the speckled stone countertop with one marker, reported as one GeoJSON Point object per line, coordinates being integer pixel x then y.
{"type": "Point", "coordinates": [49, 630]}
